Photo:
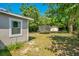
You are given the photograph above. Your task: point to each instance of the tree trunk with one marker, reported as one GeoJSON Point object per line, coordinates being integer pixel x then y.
{"type": "Point", "coordinates": [70, 28]}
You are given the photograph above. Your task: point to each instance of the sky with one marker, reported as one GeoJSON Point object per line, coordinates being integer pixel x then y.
{"type": "Point", "coordinates": [15, 7]}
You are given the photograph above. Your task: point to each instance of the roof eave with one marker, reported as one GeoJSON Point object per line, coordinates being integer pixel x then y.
{"type": "Point", "coordinates": [11, 14]}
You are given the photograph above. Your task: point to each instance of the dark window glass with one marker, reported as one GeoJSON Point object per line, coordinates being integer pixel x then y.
{"type": "Point", "coordinates": [16, 27]}
{"type": "Point", "coordinates": [15, 24]}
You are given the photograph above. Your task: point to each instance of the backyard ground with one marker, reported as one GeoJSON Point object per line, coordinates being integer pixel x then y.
{"type": "Point", "coordinates": [49, 44]}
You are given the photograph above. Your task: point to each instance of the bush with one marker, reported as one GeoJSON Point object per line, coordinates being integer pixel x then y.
{"type": "Point", "coordinates": [15, 46]}
{"type": "Point", "coordinates": [33, 28]}
{"type": "Point", "coordinates": [5, 52]}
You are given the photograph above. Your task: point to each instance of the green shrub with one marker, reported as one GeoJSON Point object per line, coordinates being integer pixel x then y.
{"type": "Point", "coordinates": [5, 52]}
{"type": "Point", "coordinates": [33, 27]}
{"type": "Point", "coordinates": [15, 46]}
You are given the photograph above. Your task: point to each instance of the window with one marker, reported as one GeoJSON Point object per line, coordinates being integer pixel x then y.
{"type": "Point", "coordinates": [15, 27]}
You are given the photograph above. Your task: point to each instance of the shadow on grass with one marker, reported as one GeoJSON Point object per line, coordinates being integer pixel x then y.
{"type": "Point", "coordinates": [31, 38]}
{"type": "Point", "coordinates": [66, 45]}
{"type": "Point", "coordinates": [4, 51]}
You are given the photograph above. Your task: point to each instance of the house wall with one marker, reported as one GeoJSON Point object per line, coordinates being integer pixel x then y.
{"type": "Point", "coordinates": [4, 31]}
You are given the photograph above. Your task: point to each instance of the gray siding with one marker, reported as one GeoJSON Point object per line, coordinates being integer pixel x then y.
{"type": "Point", "coordinates": [4, 31]}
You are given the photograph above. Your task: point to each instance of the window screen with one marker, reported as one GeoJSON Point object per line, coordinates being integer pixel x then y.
{"type": "Point", "coordinates": [16, 27]}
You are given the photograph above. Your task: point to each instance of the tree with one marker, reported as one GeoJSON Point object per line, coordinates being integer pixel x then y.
{"type": "Point", "coordinates": [31, 11]}
{"type": "Point", "coordinates": [71, 10]}
{"type": "Point", "coordinates": [67, 11]}
{"type": "Point", "coordinates": [56, 18]}
{"type": "Point", "coordinates": [44, 20]}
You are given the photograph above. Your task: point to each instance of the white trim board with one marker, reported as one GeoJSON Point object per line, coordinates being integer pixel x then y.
{"type": "Point", "coordinates": [10, 28]}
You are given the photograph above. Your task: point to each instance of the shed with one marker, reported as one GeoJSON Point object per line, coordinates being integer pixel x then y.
{"type": "Point", "coordinates": [48, 28]}
{"type": "Point", "coordinates": [54, 29]}
{"type": "Point", "coordinates": [44, 28]}
{"type": "Point", "coordinates": [13, 28]}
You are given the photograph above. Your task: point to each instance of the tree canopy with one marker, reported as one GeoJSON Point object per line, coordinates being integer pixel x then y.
{"type": "Point", "coordinates": [62, 15]}
{"type": "Point", "coordinates": [66, 14]}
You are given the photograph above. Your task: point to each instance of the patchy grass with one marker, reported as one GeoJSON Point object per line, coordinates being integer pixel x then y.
{"type": "Point", "coordinates": [16, 46]}
{"type": "Point", "coordinates": [43, 45]}
{"type": "Point", "coordinates": [7, 50]}
{"type": "Point", "coordinates": [36, 46]}
{"type": "Point", "coordinates": [63, 46]}
{"type": "Point", "coordinates": [51, 44]}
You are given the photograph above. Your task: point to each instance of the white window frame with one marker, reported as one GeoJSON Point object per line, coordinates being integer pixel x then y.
{"type": "Point", "coordinates": [10, 27]}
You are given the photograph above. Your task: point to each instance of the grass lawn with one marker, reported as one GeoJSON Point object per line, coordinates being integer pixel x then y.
{"type": "Point", "coordinates": [52, 44]}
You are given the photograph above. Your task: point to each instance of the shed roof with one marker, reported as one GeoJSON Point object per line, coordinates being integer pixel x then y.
{"type": "Point", "coordinates": [15, 15]}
